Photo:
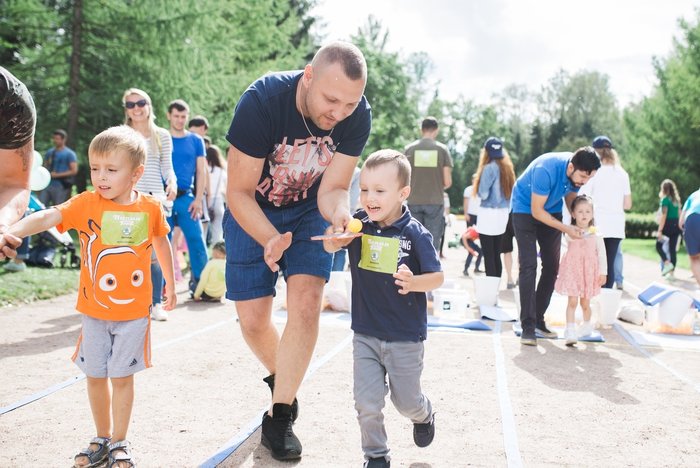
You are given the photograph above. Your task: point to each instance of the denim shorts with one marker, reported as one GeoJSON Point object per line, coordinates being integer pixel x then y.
{"type": "Point", "coordinates": [247, 274]}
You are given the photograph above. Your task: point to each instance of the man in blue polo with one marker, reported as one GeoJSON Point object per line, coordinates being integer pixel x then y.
{"type": "Point", "coordinates": [537, 200]}
{"type": "Point", "coordinates": [62, 163]}
{"type": "Point", "coordinates": [188, 160]}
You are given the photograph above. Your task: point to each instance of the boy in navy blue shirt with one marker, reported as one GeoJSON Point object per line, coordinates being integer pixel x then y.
{"type": "Point", "coordinates": [392, 265]}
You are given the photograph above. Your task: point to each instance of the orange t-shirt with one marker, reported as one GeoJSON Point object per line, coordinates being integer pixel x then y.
{"type": "Point", "coordinates": [115, 253]}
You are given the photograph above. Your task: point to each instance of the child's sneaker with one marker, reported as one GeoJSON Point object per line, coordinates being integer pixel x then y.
{"type": "Point", "coordinates": [570, 335]}
{"type": "Point", "coordinates": [424, 433]}
{"type": "Point", "coordinates": [585, 329]}
{"type": "Point", "coordinates": [157, 313]}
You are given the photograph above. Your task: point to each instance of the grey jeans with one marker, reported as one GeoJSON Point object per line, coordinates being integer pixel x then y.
{"type": "Point", "coordinates": [373, 361]}
{"type": "Point", "coordinates": [433, 218]}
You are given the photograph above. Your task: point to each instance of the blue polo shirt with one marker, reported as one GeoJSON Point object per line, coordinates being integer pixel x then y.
{"type": "Point", "coordinates": [378, 309]}
{"type": "Point", "coordinates": [546, 175]}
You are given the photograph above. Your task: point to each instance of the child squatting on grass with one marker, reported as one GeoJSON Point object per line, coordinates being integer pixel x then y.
{"type": "Point", "coordinates": [389, 317]}
{"type": "Point", "coordinates": [212, 281]}
{"type": "Point", "coordinates": [118, 228]}
{"type": "Point", "coordinates": [582, 270]}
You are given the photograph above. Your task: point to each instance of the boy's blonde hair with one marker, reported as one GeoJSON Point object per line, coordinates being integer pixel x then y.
{"type": "Point", "coordinates": [390, 156]}
{"type": "Point", "coordinates": [120, 138]}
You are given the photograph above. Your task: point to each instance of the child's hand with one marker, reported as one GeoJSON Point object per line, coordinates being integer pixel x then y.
{"type": "Point", "coordinates": [602, 279]}
{"type": "Point", "coordinates": [170, 297]}
{"type": "Point", "coordinates": [333, 245]}
{"type": "Point", "coordinates": [8, 245]}
{"type": "Point", "coordinates": [404, 279]}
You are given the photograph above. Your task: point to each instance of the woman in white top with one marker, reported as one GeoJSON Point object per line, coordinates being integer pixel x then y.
{"type": "Point", "coordinates": [158, 178]}
{"type": "Point", "coordinates": [610, 190]}
{"type": "Point", "coordinates": [217, 193]}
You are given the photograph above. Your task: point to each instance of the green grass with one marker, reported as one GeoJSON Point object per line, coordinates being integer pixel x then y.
{"type": "Point", "coordinates": [36, 283]}
{"type": "Point", "coordinates": [645, 248]}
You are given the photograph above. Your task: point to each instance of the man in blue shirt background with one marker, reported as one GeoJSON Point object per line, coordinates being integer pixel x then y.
{"type": "Point", "coordinates": [62, 163]}
{"type": "Point", "coordinates": [537, 201]}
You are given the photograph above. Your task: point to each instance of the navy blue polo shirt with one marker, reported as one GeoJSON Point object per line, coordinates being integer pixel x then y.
{"type": "Point", "coordinates": [378, 309]}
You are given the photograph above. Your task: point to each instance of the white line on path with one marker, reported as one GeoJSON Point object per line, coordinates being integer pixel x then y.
{"type": "Point", "coordinates": [510, 436]}
{"type": "Point", "coordinates": [253, 425]}
{"type": "Point", "coordinates": [630, 339]}
{"type": "Point", "coordinates": [78, 378]}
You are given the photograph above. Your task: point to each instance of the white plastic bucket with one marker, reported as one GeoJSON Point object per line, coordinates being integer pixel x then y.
{"type": "Point", "coordinates": [486, 290]}
{"type": "Point", "coordinates": [452, 303]}
{"type": "Point", "coordinates": [609, 305]}
{"type": "Point", "coordinates": [674, 308]}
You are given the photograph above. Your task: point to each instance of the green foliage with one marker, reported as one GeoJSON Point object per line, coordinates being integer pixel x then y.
{"type": "Point", "coordinates": [204, 52]}
{"type": "Point", "coordinates": [662, 130]}
{"type": "Point", "coordinates": [641, 225]}
{"type": "Point", "coordinates": [35, 284]}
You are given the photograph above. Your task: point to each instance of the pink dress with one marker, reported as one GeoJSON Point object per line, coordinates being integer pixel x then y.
{"type": "Point", "coordinates": [579, 270]}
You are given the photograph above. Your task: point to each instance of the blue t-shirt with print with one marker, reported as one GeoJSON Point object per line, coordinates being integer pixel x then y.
{"type": "Point", "coordinates": [267, 125]}
{"type": "Point", "coordinates": [186, 150]}
{"type": "Point", "coordinates": [546, 175]}
{"type": "Point", "coordinates": [378, 309]}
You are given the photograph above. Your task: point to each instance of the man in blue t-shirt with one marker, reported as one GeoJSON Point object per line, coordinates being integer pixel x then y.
{"type": "Point", "coordinates": [295, 138]}
{"type": "Point", "coordinates": [189, 159]}
{"type": "Point", "coordinates": [62, 163]}
{"type": "Point", "coordinates": [537, 212]}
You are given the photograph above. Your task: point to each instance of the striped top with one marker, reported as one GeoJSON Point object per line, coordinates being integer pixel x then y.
{"type": "Point", "coordinates": [159, 165]}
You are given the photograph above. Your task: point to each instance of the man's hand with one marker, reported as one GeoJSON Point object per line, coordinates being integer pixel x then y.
{"type": "Point", "coordinates": [8, 244]}
{"type": "Point", "coordinates": [574, 232]}
{"type": "Point", "coordinates": [274, 249]}
{"type": "Point", "coordinates": [404, 279]}
{"type": "Point", "coordinates": [195, 208]}
{"type": "Point", "coordinates": [339, 221]}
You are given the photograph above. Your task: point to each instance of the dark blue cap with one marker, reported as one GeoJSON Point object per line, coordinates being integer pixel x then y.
{"type": "Point", "coordinates": [602, 142]}
{"type": "Point", "coordinates": [494, 147]}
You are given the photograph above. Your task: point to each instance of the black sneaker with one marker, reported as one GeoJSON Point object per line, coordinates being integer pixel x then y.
{"type": "Point", "coordinates": [545, 332]}
{"type": "Point", "coordinates": [465, 273]}
{"type": "Point", "coordinates": [277, 434]}
{"type": "Point", "coordinates": [423, 434]}
{"type": "Point", "coordinates": [528, 338]}
{"type": "Point", "coordinates": [379, 462]}
{"type": "Point", "coordinates": [270, 381]}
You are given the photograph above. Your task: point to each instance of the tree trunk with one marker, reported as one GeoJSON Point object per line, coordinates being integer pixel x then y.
{"type": "Point", "coordinates": [74, 84]}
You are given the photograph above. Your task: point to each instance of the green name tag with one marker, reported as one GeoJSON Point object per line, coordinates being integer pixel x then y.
{"type": "Point", "coordinates": [380, 254]}
{"type": "Point", "coordinates": [124, 228]}
{"type": "Point", "coordinates": [425, 158]}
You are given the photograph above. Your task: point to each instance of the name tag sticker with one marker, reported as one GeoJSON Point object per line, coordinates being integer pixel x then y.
{"type": "Point", "coordinates": [425, 158]}
{"type": "Point", "coordinates": [124, 228]}
{"type": "Point", "coordinates": [380, 254]}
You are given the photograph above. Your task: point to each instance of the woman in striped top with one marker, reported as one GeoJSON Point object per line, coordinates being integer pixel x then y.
{"type": "Point", "coordinates": [158, 178]}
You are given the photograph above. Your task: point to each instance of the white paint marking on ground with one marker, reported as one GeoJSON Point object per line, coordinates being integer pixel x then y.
{"type": "Point", "coordinates": [510, 435]}
{"type": "Point", "coordinates": [249, 429]}
{"type": "Point", "coordinates": [630, 339]}
{"type": "Point", "coordinates": [78, 378]}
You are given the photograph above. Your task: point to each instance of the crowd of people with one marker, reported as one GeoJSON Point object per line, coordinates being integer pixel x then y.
{"type": "Point", "coordinates": [292, 176]}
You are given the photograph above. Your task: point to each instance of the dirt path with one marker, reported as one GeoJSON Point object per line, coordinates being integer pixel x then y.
{"type": "Point", "coordinates": [497, 403]}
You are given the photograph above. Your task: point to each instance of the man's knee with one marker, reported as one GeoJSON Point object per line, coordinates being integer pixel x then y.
{"type": "Point", "coordinates": [254, 323]}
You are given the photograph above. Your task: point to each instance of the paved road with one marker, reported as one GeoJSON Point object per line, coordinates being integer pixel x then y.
{"type": "Point", "coordinates": [614, 403]}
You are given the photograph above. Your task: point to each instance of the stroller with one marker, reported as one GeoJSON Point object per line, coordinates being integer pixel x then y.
{"type": "Point", "coordinates": [45, 244]}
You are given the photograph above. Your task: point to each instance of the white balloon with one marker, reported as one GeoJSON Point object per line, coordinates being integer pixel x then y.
{"type": "Point", "coordinates": [39, 178]}
{"type": "Point", "coordinates": [38, 159]}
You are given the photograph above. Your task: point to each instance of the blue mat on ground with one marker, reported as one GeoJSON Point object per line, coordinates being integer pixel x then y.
{"type": "Point", "coordinates": [436, 322]}
{"type": "Point", "coordinates": [594, 337]}
{"type": "Point", "coordinates": [656, 293]}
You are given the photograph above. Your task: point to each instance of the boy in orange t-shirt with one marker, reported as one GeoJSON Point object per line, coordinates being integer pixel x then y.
{"type": "Point", "coordinates": [118, 228]}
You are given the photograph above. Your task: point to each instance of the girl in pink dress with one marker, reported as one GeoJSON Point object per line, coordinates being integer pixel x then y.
{"type": "Point", "coordinates": [582, 270]}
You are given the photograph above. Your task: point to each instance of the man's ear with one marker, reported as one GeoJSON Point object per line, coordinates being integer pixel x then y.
{"type": "Point", "coordinates": [308, 74]}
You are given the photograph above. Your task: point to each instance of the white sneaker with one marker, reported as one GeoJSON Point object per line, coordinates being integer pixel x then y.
{"type": "Point", "coordinates": [570, 335]}
{"type": "Point", "coordinates": [157, 313]}
{"type": "Point", "coordinates": [585, 329]}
